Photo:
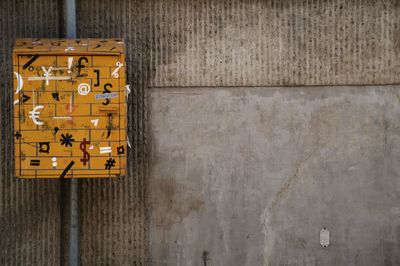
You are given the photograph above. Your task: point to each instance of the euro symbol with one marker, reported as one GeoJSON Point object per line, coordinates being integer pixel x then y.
{"type": "Point", "coordinates": [34, 115]}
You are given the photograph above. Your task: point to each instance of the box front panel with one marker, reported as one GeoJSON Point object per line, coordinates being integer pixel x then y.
{"type": "Point", "coordinates": [69, 116]}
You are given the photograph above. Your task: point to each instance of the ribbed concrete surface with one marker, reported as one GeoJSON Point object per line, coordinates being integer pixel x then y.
{"type": "Point", "coordinates": [29, 209]}
{"type": "Point", "coordinates": [259, 43]}
{"type": "Point", "coordinates": [114, 214]}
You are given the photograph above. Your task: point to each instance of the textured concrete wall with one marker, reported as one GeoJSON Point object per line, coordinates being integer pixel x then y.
{"type": "Point", "coordinates": [282, 42]}
{"type": "Point", "coordinates": [29, 209]}
{"type": "Point", "coordinates": [251, 175]}
{"type": "Point", "coordinates": [114, 212]}
{"type": "Point", "coordinates": [113, 217]}
{"type": "Point", "coordinates": [248, 192]}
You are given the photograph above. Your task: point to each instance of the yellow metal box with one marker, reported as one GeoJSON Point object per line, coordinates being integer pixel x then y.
{"type": "Point", "coordinates": [69, 108]}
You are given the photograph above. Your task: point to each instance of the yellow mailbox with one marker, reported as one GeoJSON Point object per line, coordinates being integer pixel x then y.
{"type": "Point", "coordinates": [69, 108]}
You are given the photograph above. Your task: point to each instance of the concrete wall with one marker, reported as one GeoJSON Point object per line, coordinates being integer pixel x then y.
{"type": "Point", "coordinates": [251, 175]}
{"type": "Point", "coordinates": [29, 209]}
{"type": "Point", "coordinates": [228, 166]}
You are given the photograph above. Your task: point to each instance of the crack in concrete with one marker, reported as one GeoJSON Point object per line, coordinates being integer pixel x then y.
{"type": "Point", "coordinates": [266, 216]}
{"type": "Point", "coordinates": [289, 182]}
{"type": "Point", "coordinates": [385, 134]}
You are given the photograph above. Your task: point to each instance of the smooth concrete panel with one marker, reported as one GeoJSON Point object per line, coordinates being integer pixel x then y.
{"type": "Point", "coordinates": [249, 176]}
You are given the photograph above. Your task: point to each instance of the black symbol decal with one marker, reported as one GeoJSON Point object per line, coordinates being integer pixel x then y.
{"type": "Point", "coordinates": [35, 162]}
{"type": "Point", "coordinates": [25, 98]}
{"type": "Point", "coordinates": [97, 46]}
{"type": "Point", "coordinates": [112, 48]}
{"type": "Point", "coordinates": [97, 71]}
{"type": "Point", "coordinates": [55, 130]}
{"type": "Point", "coordinates": [109, 125]}
{"type": "Point", "coordinates": [107, 101]}
{"type": "Point", "coordinates": [69, 166]}
{"type": "Point", "coordinates": [86, 155]}
{"type": "Point", "coordinates": [80, 65]}
{"type": "Point", "coordinates": [22, 44]}
{"type": "Point", "coordinates": [55, 96]}
{"type": "Point", "coordinates": [44, 147]}
{"type": "Point", "coordinates": [121, 150]}
{"type": "Point", "coordinates": [109, 163]}
{"type": "Point", "coordinates": [66, 140]}
{"type": "Point", "coordinates": [17, 135]}
{"type": "Point", "coordinates": [31, 60]}
{"type": "Point", "coordinates": [205, 257]}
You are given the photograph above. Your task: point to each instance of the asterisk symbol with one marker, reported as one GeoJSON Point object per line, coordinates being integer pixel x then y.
{"type": "Point", "coordinates": [66, 140]}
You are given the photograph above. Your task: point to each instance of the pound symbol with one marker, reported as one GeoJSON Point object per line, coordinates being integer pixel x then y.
{"type": "Point", "coordinates": [79, 66]}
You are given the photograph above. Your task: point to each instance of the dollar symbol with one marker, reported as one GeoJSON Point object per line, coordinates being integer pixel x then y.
{"type": "Point", "coordinates": [86, 155]}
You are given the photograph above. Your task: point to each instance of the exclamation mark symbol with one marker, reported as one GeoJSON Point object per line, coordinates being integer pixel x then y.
{"type": "Point", "coordinates": [70, 60]}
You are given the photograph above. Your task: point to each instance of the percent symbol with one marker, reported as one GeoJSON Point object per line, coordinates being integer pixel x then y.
{"type": "Point", "coordinates": [115, 72]}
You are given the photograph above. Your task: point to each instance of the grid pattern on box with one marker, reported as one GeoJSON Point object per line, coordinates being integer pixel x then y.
{"type": "Point", "coordinates": [69, 115]}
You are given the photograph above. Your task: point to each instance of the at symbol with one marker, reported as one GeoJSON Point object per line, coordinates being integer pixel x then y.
{"type": "Point", "coordinates": [83, 89]}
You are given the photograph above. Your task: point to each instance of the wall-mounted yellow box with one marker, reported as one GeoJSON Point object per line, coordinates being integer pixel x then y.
{"type": "Point", "coordinates": [69, 108]}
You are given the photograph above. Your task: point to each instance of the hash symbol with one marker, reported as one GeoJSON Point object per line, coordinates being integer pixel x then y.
{"type": "Point", "coordinates": [66, 140]}
{"type": "Point", "coordinates": [109, 163]}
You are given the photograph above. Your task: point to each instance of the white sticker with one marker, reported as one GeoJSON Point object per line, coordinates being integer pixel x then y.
{"type": "Point", "coordinates": [34, 115]}
{"type": "Point", "coordinates": [95, 122]}
{"type": "Point", "coordinates": [106, 95]}
{"type": "Point", "coordinates": [20, 82]}
{"type": "Point", "coordinates": [115, 72]}
{"type": "Point", "coordinates": [83, 89]}
{"type": "Point", "coordinates": [105, 149]}
{"type": "Point", "coordinates": [324, 237]}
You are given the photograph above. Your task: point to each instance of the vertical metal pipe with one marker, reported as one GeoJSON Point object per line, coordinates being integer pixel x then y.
{"type": "Point", "coordinates": [70, 187]}
{"type": "Point", "coordinates": [70, 18]}
{"type": "Point", "coordinates": [73, 230]}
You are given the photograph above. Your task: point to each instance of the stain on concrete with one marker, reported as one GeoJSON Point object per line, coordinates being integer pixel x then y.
{"type": "Point", "coordinates": [172, 202]}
